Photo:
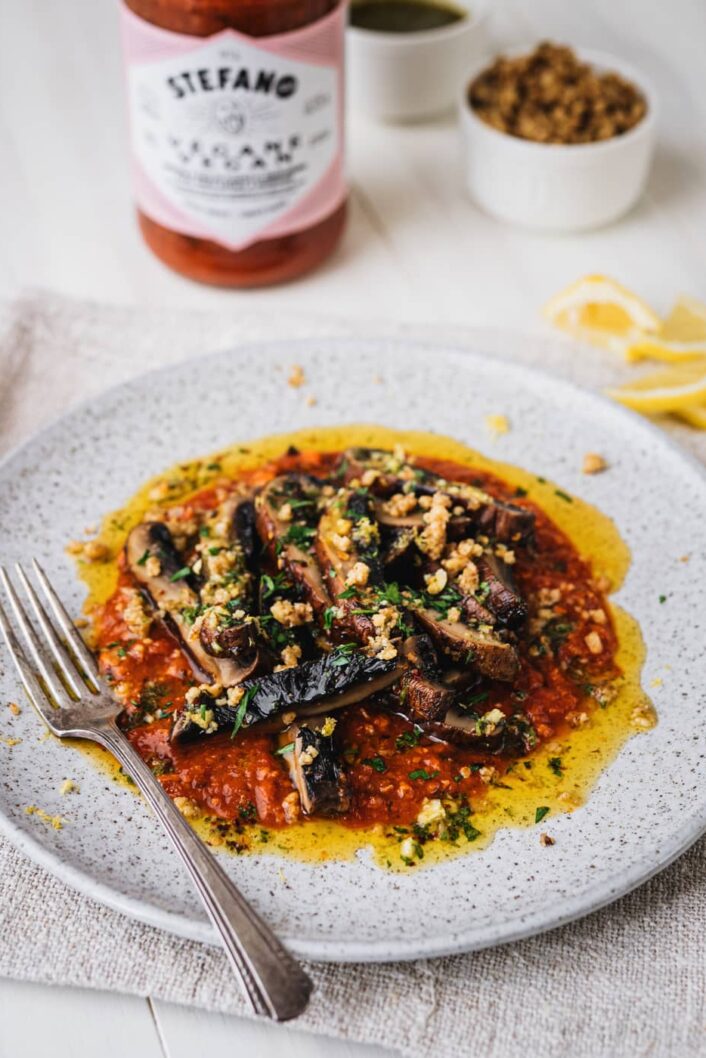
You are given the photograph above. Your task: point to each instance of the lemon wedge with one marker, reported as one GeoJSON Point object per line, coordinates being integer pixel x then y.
{"type": "Point", "coordinates": [602, 311]}
{"type": "Point", "coordinates": [675, 389]}
{"type": "Point", "coordinates": [682, 336]}
{"type": "Point", "coordinates": [693, 416]}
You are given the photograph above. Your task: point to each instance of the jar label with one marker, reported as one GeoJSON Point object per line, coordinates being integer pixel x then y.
{"type": "Point", "coordinates": [236, 138]}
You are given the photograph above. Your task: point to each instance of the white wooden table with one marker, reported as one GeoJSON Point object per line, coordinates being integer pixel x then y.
{"type": "Point", "coordinates": [416, 250]}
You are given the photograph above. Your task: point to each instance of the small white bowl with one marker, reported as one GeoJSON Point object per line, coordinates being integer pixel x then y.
{"type": "Point", "coordinates": [557, 187]}
{"type": "Point", "coordinates": [411, 76]}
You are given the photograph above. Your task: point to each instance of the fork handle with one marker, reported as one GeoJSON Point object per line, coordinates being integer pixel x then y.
{"type": "Point", "coordinates": [275, 984]}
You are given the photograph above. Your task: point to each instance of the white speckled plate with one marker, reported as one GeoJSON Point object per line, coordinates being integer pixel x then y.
{"type": "Point", "coordinates": [648, 806]}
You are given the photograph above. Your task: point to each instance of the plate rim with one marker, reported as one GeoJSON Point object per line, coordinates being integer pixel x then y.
{"type": "Point", "coordinates": [474, 938]}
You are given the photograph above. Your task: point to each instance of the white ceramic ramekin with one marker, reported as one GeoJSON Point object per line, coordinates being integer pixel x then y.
{"type": "Point", "coordinates": [554, 186]}
{"type": "Point", "coordinates": [412, 76]}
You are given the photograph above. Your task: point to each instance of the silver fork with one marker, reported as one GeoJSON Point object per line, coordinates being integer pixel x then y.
{"type": "Point", "coordinates": [65, 688]}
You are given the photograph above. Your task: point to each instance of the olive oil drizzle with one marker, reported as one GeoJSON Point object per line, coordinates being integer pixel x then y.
{"type": "Point", "coordinates": [531, 785]}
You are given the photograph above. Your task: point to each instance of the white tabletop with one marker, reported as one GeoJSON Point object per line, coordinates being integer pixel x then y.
{"type": "Point", "coordinates": [416, 250]}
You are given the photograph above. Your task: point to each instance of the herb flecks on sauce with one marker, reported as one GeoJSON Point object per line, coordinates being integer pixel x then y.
{"type": "Point", "coordinates": [397, 773]}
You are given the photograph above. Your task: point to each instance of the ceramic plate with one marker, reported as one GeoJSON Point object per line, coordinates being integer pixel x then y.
{"type": "Point", "coordinates": [647, 807]}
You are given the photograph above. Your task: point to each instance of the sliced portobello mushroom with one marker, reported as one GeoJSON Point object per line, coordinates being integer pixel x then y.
{"type": "Point", "coordinates": [352, 511]}
{"type": "Point", "coordinates": [512, 735]}
{"type": "Point", "coordinates": [324, 684]}
{"type": "Point", "coordinates": [502, 597]}
{"type": "Point", "coordinates": [227, 585]}
{"type": "Point", "coordinates": [507, 522]}
{"type": "Point", "coordinates": [315, 768]}
{"type": "Point", "coordinates": [477, 646]}
{"type": "Point", "coordinates": [169, 587]}
{"type": "Point", "coordinates": [422, 694]}
{"type": "Point", "coordinates": [502, 521]}
{"type": "Point", "coordinates": [290, 539]}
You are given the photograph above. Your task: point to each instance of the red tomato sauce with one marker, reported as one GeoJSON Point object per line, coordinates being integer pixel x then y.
{"type": "Point", "coordinates": [391, 768]}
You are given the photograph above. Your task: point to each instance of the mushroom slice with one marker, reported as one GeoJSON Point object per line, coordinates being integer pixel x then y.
{"type": "Point", "coordinates": [326, 683]}
{"type": "Point", "coordinates": [422, 695]}
{"type": "Point", "coordinates": [225, 622]}
{"type": "Point", "coordinates": [348, 552]}
{"type": "Point", "coordinates": [315, 768]}
{"type": "Point", "coordinates": [482, 647]}
{"type": "Point", "coordinates": [286, 511]}
{"type": "Point", "coordinates": [506, 522]}
{"type": "Point", "coordinates": [502, 597]}
{"type": "Point", "coordinates": [159, 569]}
{"type": "Point", "coordinates": [513, 735]}
{"type": "Point", "coordinates": [389, 473]}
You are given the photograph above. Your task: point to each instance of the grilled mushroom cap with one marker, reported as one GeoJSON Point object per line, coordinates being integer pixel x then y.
{"type": "Point", "coordinates": [502, 597]}
{"type": "Point", "coordinates": [157, 566]}
{"type": "Point", "coordinates": [286, 545]}
{"type": "Point", "coordinates": [490, 655]}
{"type": "Point", "coordinates": [353, 510]}
{"type": "Point", "coordinates": [320, 686]}
{"type": "Point", "coordinates": [315, 768]}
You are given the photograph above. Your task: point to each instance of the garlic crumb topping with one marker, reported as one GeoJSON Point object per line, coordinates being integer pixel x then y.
{"type": "Point", "coordinates": [291, 614]}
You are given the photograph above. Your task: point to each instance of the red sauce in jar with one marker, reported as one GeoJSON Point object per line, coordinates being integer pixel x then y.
{"type": "Point", "coordinates": [265, 260]}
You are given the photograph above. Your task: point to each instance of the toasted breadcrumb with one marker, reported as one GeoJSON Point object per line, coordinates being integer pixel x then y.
{"type": "Point", "coordinates": [56, 822]}
{"type": "Point", "coordinates": [68, 786]}
{"type": "Point", "coordinates": [497, 425]}
{"type": "Point", "coordinates": [594, 642]}
{"type": "Point", "coordinates": [545, 840]}
{"type": "Point", "coordinates": [593, 463]}
{"type": "Point", "coordinates": [296, 377]}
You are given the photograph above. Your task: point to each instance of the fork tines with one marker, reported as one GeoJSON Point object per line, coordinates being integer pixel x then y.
{"type": "Point", "coordinates": [55, 671]}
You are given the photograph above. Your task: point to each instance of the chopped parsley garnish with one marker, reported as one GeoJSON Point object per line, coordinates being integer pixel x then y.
{"type": "Point", "coordinates": [475, 699]}
{"type": "Point", "coordinates": [141, 561]}
{"type": "Point", "coordinates": [422, 773]}
{"type": "Point", "coordinates": [213, 466]}
{"type": "Point", "coordinates": [555, 765]}
{"type": "Point", "coordinates": [341, 655]}
{"type": "Point", "coordinates": [389, 593]}
{"type": "Point", "coordinates": [376, 763]}
{"type": "Point", "coordinates": [270, 585]}
{"type": "Point", "coordinates": [563, 496]}
{"type": "Point", "coordinates": [541, 812]}
{"type": "Point", "coordinates": [328, 616]}
{"type": "Point", "coordinates": [190, 613]}
{"type": "Point", "coordinates": [663, 598]}
{"type": "Point", "coordinates": [348, 593]}
{"type": "Point", "coordinates": [243, 708]}
{"type": "Point", "coordinates": [408, 739]}
{"type": "Point", "coordinates": [519, 491]}
{"type": "Point", "coordinates": [185, 571]}
{"type": "Point", "coordinates": [122, 652]}
{"type": "Point", "coordinates": [300, 535]}
{"type": "Point", "coordinates": [215, 550]}
{"type": "Point", "coordinates": [284, 749]}
{"type": "Point", "coordinates": [204, 531]}
{"type": "Point", "coordinates": [459, 822]}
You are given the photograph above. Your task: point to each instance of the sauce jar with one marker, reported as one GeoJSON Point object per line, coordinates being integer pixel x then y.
{"type": "Point", "coordinates": [236, 122]}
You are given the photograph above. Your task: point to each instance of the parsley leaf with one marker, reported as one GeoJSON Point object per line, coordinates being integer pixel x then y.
{"type": "Point", "coordinates": [243, 708]}
{"type": "Point", "coordinates": [541, 812]}
{"type": "Point", "coordinates": [185, 571]}
{"type": "Point", "coordinates": [376, 763]}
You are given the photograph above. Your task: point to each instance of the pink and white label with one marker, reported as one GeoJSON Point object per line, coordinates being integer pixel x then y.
{"type": "Point", "coordinates": [236, 138]}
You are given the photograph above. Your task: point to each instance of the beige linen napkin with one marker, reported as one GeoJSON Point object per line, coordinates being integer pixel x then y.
{"type": "Point", "coordinates": [628, 981]}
